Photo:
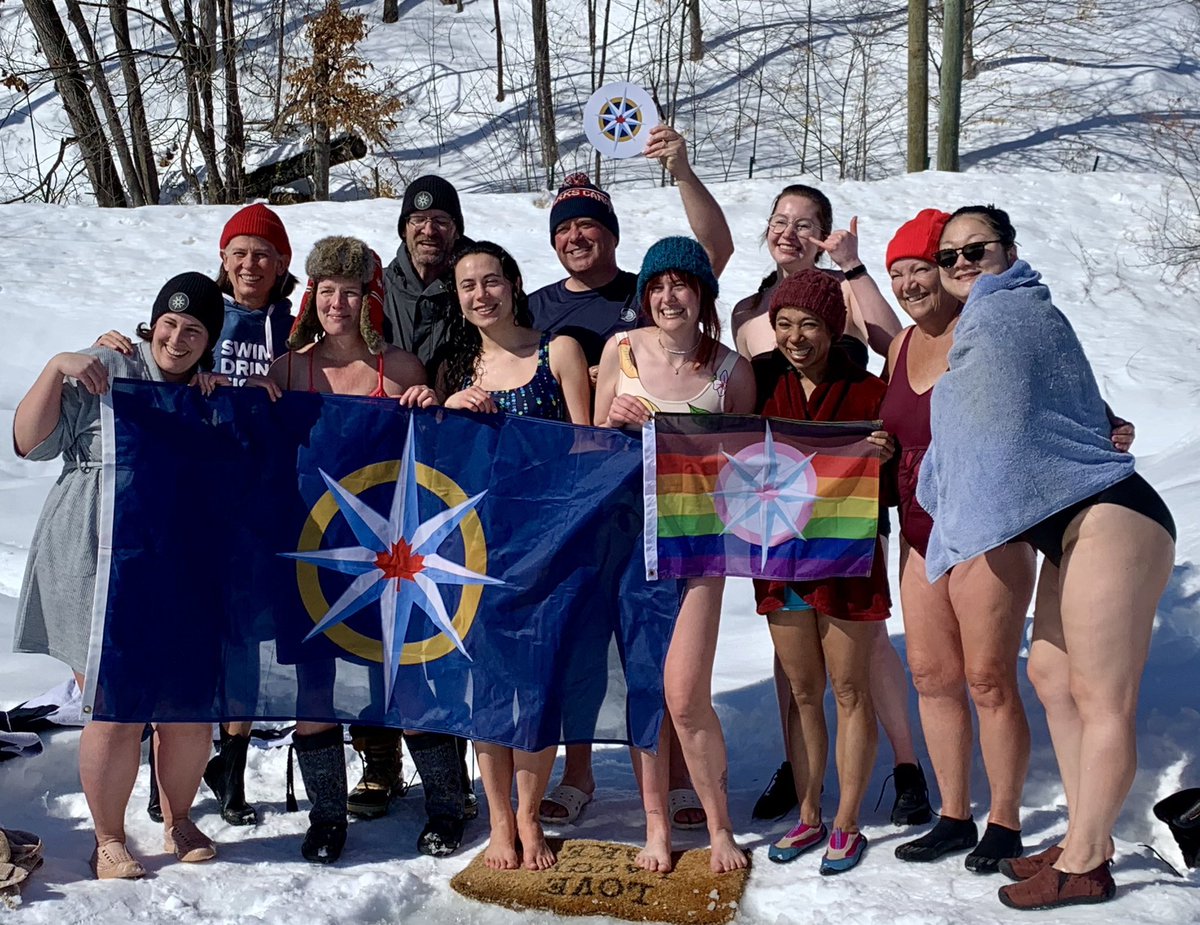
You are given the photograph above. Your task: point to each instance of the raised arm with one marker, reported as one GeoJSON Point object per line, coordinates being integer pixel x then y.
{"type": "Point", "coordinates": [40, 410]}
{"type": "Point", "coordinates": [704, 215]}
{"type": "Point", "coordinates": [868, 308]}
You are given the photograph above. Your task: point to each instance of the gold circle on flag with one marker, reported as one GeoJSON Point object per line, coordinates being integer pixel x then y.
{"type": "Point", "coordinates": [475, 555]}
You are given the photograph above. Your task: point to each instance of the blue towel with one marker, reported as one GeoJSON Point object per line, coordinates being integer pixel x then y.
{"type": "Point", "coordinates": [1020, 431]}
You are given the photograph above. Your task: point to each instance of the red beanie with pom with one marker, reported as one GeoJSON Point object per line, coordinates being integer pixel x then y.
{"type": "Point", "coordinates": [260, 222]}
{"type": "Point", "coordinates": [918, 237]}
{"type": "Point", "coordinates": [817, 293]}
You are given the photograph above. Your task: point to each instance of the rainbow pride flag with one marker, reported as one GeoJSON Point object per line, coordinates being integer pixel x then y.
{"type": "Point", "coordinates": [759, 497]}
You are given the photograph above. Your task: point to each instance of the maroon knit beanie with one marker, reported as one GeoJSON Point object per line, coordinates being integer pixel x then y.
{"type": "Point", "coordinates": [817, 293]}
{"type": "Point", "coordinates": [259, 222]}
{"type": "Point", "coordinates": [918, 237]}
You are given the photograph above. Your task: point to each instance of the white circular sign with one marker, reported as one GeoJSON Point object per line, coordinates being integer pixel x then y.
{"type": "Point", "coordinates": [618, 119]}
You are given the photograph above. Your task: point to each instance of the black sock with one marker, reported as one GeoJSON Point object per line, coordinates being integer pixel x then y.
{"type": "Point", "coordinates": [948, 835]}
{"type": "Point", "coordinates": [998, 842]}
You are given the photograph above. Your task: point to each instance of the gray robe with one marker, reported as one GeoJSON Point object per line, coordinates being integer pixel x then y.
{"type": "Point", "coordinates": [54, 614]}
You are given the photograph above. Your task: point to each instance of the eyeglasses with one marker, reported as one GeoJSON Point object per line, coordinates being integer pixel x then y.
{"type": "Point", "coordinates": [972, 253]}
{"type": "Point", "coordinates": [440, 223]}
{"type": "Point", "coordinates": [801, 226]}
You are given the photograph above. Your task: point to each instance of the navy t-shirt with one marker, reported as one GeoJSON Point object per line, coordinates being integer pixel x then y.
{"type": "Point", "coordinates": [591, 317]}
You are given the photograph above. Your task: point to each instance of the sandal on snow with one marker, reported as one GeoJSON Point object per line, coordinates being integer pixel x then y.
{"type": "Point", "coordinates": [681, 800]}
{"type": "Point", "coordinates": [572, 799]}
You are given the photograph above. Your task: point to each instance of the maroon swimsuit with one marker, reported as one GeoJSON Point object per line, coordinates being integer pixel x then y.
{"type": "Point", "coordinates": [906, 417]}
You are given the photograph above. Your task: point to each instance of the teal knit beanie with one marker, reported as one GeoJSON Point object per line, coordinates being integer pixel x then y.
{"type": "Point", "coordinates": [677, 253]}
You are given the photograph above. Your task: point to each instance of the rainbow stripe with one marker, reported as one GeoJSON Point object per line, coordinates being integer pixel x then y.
{"type": "Point", "coordinates": [704, 520]}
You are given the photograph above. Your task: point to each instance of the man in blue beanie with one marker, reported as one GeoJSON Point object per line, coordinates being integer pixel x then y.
{"type": "Point", "coordinates": [598, 298]}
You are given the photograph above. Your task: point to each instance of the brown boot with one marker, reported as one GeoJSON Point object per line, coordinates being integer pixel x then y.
{"type": "Point", "coordinates": [1023, 868]}
{"type": "Point", "coordinates": [1052, 888]}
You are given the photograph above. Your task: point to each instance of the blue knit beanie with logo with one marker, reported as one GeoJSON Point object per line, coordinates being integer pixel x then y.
{"type": "Point", "coordinates": [677, 253]}
{"type": "Point", "coordinates": [579, 197]}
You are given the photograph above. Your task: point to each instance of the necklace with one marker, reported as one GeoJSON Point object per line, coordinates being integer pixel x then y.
{"type": "Point", "coordinates": [679, 353]}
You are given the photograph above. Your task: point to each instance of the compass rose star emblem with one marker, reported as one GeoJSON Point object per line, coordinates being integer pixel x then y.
{"type": "Point", "coordinates": [620, 119]}
{"type": "Point", "coordinates": [765, 493]}
{"type": "Point", "coordinates": [396, 563]}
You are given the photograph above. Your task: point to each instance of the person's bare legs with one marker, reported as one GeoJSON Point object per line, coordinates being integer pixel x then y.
{"type": "Point", "coordinates": [237, 729]}
{"type": "Point", "coordinates": [935, 659]}
{"type": "Point", "coordinates": [109, 755]}
{"type": "Point", "coordinates": [687, 682]}
{"type": "Point", "coordinates": [787, 706]}
{"type": "Point", "coordinates": [990, 595]}
{"type": "Point", "coordinates": [181, 751]}
{"type": "Point", "coordinates": [889, 694]}
{"type": "Point", "coordinates": [496, 771]}
{"type": "Point", "coordinates": [1115, 568]}
{"type": "Point", "coordinates": [847, 647]}
{"type": "Point", "coordinates": [532, 772]}
{"type": "Point", "coordinates": [653, 778]}
{"type": "Point", "coordinates": [798, 653]}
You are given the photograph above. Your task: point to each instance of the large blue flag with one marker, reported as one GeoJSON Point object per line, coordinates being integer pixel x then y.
{"type": "Point", "coordinates": [332, 558]}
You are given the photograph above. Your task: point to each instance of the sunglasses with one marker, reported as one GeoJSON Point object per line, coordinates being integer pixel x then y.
{"type": "Point", "coordinates": [972, 253]}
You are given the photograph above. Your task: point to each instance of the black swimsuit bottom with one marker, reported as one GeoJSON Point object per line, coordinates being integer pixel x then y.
{"type": "Point", "coordinates": [1134, 493]}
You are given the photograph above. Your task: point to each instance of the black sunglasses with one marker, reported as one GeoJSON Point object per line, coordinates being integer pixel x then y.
{"type": "Point", "coordinates": [972, 253]}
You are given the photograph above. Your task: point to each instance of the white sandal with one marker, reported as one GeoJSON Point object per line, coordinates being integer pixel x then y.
{"type": "Point", "coordinates": [681, 799]}
{"type": "Point", "coordinates": [572, 799]}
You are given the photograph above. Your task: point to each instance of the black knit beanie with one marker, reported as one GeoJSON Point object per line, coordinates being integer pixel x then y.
{"type": "Point", "coordinates": [196, 295]}
{"type": "Point", "coordinates": [431, 192]}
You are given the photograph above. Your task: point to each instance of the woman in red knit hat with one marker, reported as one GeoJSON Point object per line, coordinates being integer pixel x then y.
{"type": "Point", "coordinates": [831, 626]}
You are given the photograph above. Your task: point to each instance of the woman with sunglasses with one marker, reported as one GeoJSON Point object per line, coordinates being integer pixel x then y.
{"type": "Point", "coordinates": [799, 231]}
{"type": "Point", "coordinates": [677, 364]}
{"type": "Point", "coordinates": [1021, 449]}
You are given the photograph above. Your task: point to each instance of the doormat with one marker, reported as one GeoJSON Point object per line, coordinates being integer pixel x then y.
{"type": "Point", "coordinates": [600, 878]}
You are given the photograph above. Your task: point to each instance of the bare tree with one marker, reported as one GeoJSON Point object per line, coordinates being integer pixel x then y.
{"type": "Point", "coordinates": [68, 80]}
{"type": "Point", "coordinates": [950, 104]}
{"type": "Point", "coordinates": [391, 10]}
{"type": "Point", "coordinates": [235, 132]}
{"type": "Point", "coordinates": [696, 52]}
{"type": "Point", "coordinates": [499, 53]}
{"type": "Point", "coordinates": [139, 129]}
{"type": "Point", "coordinates": [545, 91]}
{"type": "Point", "coordinates": [918, 85]}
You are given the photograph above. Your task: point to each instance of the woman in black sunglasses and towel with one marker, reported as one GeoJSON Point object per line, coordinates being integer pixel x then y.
{"type": "Point", "coordinates": [1022, 450]}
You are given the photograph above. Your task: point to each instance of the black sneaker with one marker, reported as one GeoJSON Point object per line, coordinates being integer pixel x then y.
{"type": "Point", "coordinates": [949, 835]}
{"type": "Point", "coordinates": [441, 836]}
{"type": "Point", "coordinates": [324, 841]}
{"type": "Point", "coordinates": [999, 843]}
{"type": "Point", "coordinates": [779, 798]}
{"type": "Point", "coordinates": [912, 796]}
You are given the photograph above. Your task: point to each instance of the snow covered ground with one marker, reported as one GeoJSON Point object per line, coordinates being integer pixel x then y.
{"type": "Point", "coordinates": [71, 273]}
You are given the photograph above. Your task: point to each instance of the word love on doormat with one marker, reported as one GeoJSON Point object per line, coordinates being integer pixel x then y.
{"type": "Point", "coordinates": [601, 878]}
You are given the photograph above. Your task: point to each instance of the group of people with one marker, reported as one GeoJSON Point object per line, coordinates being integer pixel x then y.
{"type": "Point", "coordinates": [995, 443]}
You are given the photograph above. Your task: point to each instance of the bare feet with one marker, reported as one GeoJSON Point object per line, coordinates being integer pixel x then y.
{"type": "Point", "coordinates": [656, 856]}
{"type": "Point", "coordinates": [535, 852]}
{"type": "Point", "coordinates": [726, 855]}
{"type": "Point", "coordinates": [501, 851]}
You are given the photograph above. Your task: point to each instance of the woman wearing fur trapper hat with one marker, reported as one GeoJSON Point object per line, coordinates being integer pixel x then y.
{"type": "Point", "coordinates": [337, 348]}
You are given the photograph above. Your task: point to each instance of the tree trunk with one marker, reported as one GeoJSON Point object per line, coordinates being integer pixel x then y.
{"type": "Point", "coordinates": [697, 50]}
{"type": "Point", "coordinates": [280, 32]}
{"type": "Point", "coordinates": [598, 81]}
{"type": "Point", "coordinates": [391, 10]}
{"type": "Point", "coordinates": [197, 68]}
{"type": "Point", "coordinates": [68, 81]}
{"type": "Point", "coordinates": [261, 181]}
{"type": "Point", "coordinates": [918, 85]}
{"type": "Point", "coordinates": [320, 132]}
{"type": "Point", "coordinates": [108, 105]}
{"type": "Point", "coordinates": [969, 67]}
{"type": "Point", "coordinates": [139, 130]}
{"type": "Point", "coordinates": [950, 111]}
{"type": "Point", "coordinates": [545, 98]}
{"type": "Point", "coordinates": [499, 53]}
{"type": "Point", "coordinates": [235, 132]}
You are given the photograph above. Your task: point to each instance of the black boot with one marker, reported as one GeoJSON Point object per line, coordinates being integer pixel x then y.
{"type": "Point", "coordinates": [437, 759]}
{"type": "Point", "coordinates": [912, 796]}
{"type": "Point", "coordinates": [154, 804]}
{"type": "Point", "coordinates": [1181, 812]}
{"type": "Point", "coordinates": [947, 836]}
{"type": "Point", "coordinates": [779, 798]}
{"type": "Point", "coordinates": [383, 772]}
{"type": "Point", "coordinates": [470, 801]}
{"type": "Point", "coordinates": [323, 769]}
{"type": "Point", "coordinates": [226, 777]}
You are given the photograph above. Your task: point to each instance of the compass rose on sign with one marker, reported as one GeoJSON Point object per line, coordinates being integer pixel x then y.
{"type": "Point", "coordinates": [620, 119]}
{"type": "Point", "coordinates": [765, 493]}
{"type": "Point", "coordinates": [398, 563]}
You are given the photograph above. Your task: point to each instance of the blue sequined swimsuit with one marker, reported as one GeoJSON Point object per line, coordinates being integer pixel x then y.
{"type": "Point", "coordinates": [540, 397]}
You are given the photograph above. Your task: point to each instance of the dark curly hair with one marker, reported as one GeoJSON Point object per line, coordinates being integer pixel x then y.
{"type": "Point", "coordinates": [461, 350]}
{"type": "Point", "coordinates": [824, 222]}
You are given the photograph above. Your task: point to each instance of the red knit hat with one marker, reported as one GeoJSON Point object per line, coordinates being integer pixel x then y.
{"type": "Point", "coordinates": [260, 222]}
{"type": "Point", "coordinates": [816, 292]}
{"type": "Point", "coordinates": [918, 237]}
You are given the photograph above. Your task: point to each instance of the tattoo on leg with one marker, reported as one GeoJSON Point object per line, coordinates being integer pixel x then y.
{"type": "Point", "coordinates": [725, 781]}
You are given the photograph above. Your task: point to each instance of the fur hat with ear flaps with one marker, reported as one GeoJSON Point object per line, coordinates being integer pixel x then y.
{"type": "Point", "coordinates": [347, 258]}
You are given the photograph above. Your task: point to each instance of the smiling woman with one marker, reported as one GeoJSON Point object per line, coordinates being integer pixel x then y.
{"type": "Point", "coordinates": [60, 416]}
